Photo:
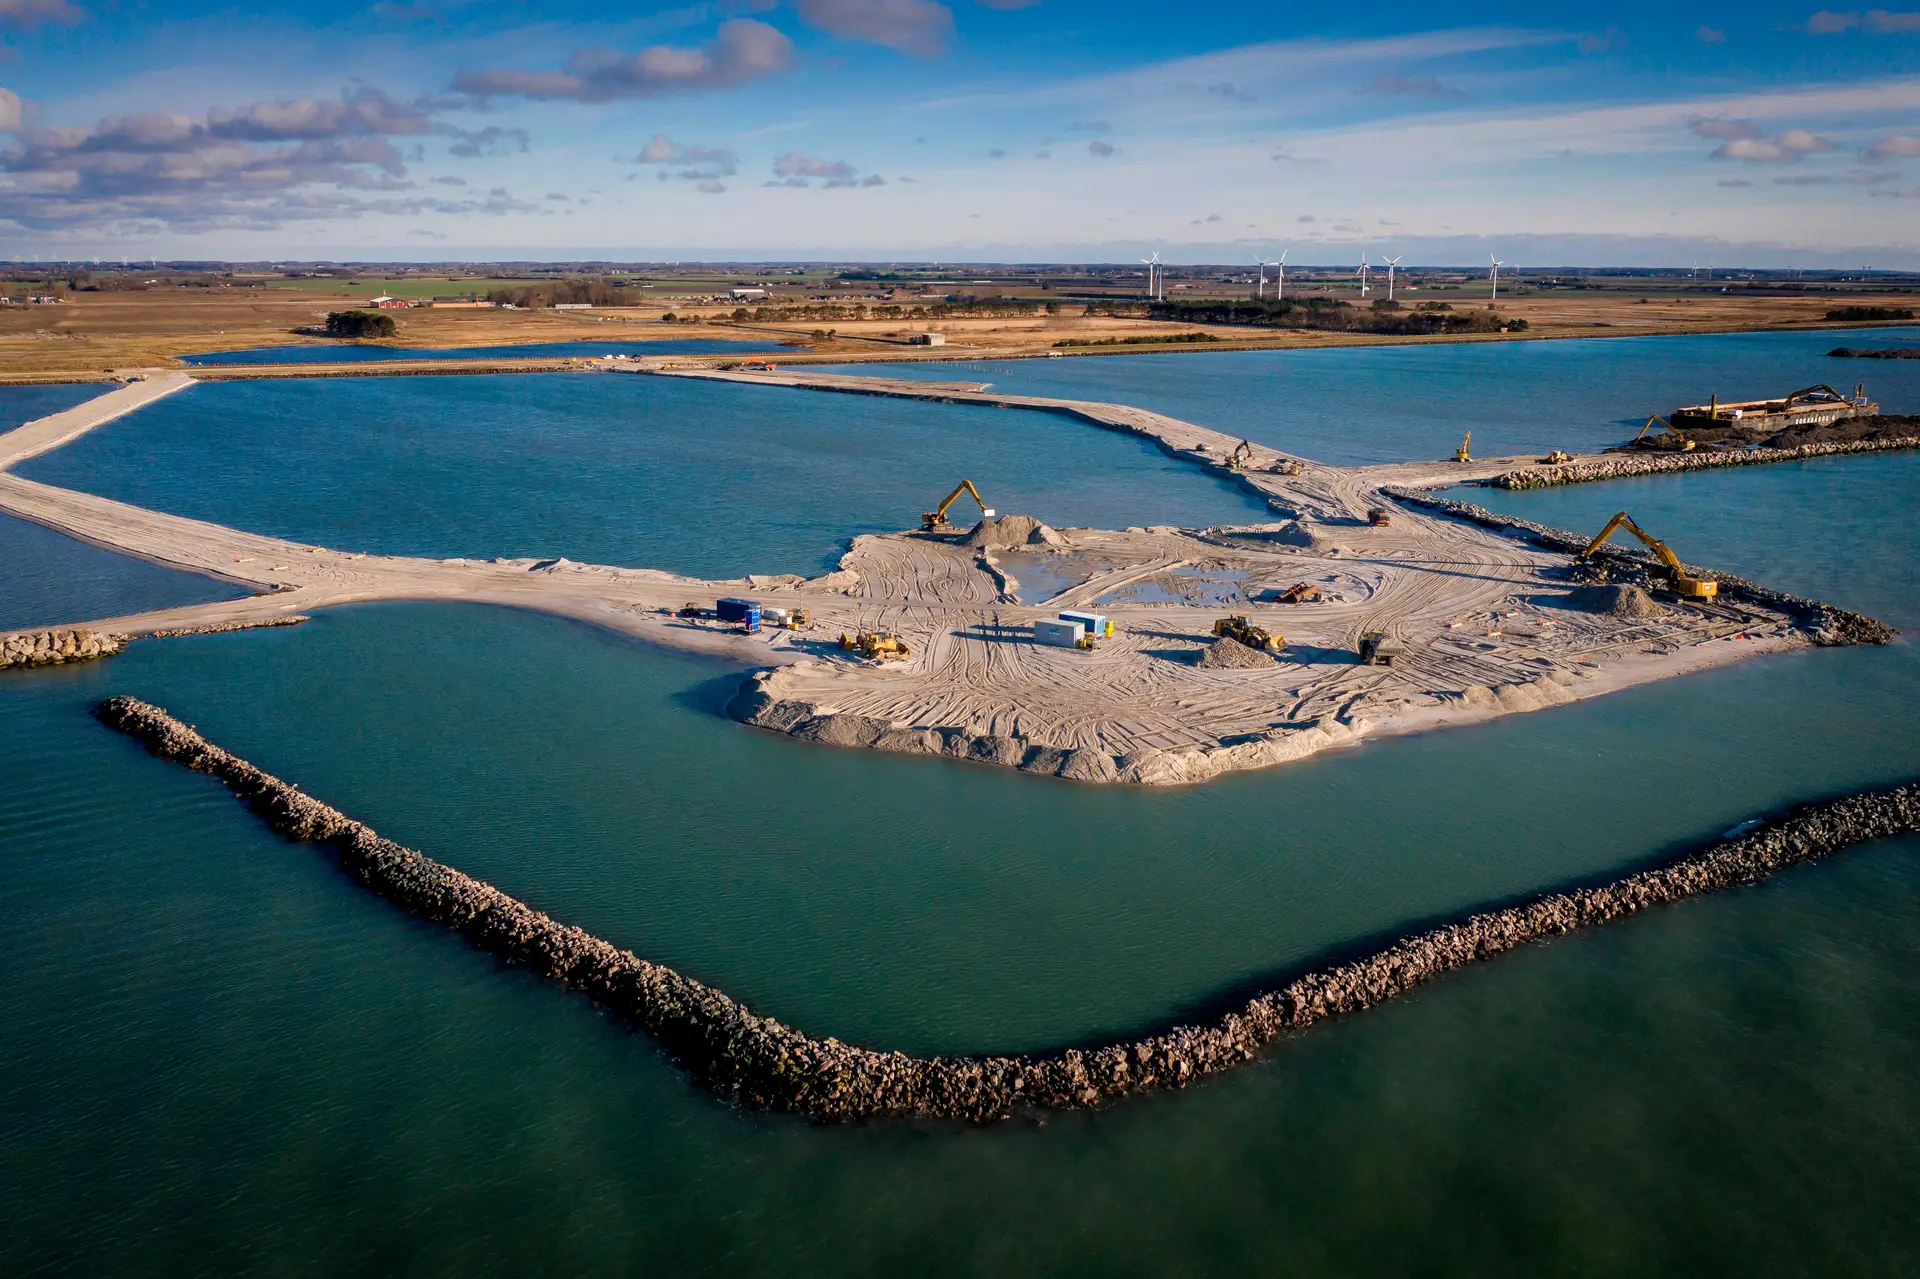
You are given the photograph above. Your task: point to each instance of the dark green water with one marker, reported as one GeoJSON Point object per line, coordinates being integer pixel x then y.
{"type": "Point", "coordinates": [217, 1055]}
{"type": "Point", "coordinates": [702, 478]}
{"type": "Point", "coordinates": [47, 578]}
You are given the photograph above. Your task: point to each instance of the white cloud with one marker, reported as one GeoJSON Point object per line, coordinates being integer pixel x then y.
{"type": "Point", "coordinates": [743, 50]}
{"type": "Point", "coordinates": [1877, 21]}
{"type": "Point", "coordinates": [920, 27]}
{"type": "Point", "coordinates": [31, 13]}
{"type": "Point", "coordinates": [11, 116]}
{"type": "Point", "coordinates": [1898, 144]}
{"type": "Point", "coordinates": [1710, 35]}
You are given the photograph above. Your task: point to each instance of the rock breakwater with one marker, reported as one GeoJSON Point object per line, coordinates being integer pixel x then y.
{"type": "Point", "coordinates": [761, 1062]}
{"type": "Point", "coordinates": [53, 647]}
{"type": "Point", "coordinates": [1620, 468]}
{"type": "Point", "coordinates": [1822, 623]}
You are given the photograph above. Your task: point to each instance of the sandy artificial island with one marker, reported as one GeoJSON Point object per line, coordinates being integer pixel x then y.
{"type": "Point", "coordinates": [1488, 613]}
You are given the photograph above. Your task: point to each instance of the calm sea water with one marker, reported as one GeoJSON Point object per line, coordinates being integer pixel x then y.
{"type": "Point", "coordinates": [346, 352]}
{"type": "Point", "coordinates": [1364, 405]}
{"type": "Point", "coordinates": [702, 478]}
{"type": "Point", "coordinates": [47, 578]}
{"type": "Point", "coordinates": [20, 404]}
{"type": "Point", "coordinates": [217, 1054]}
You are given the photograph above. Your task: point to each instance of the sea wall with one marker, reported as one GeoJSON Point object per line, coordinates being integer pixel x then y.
{"type": "Point", "coordinates": [1822, 623]}
{"type": "Point", "coordinates": [52, 647]}
{"type": "Point", "coordinates": [1629, 466]}
{"type": "Point", "coordinates": [761, 1062]}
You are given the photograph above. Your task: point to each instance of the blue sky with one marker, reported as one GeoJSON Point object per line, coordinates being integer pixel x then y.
{"type": "Point", "coordinates": [1053, 130]}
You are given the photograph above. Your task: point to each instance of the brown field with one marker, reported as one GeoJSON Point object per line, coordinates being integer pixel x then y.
{"type": "Point", "coordinates": [87, 334]}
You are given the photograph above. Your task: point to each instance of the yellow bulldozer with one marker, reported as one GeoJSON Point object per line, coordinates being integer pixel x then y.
{"type": "Point", "coordinates": [878, 646]}
{"type": "Point", "coordinates": [1242, 629]}
{"type": "Point", "coordinates": [1693, 588]}
{"type": "Point", "coordinates": [1559, 457]}
{"type": "Point", "coordinates": [936, 521]}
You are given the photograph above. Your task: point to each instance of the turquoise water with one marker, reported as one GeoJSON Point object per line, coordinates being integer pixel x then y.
{"type": "Point", "coordinates": [46, 578]}
{"type": "Point", "coordinates": [347, 352]}
{"type": "Point", "coordinates": [218, 1055]}
{"type": "Point", "coordinates": [19, 404]}
{"type": "Point", "coordinates": [1364, 405]}
{"type": "Point", "coordinates": [703, 478]}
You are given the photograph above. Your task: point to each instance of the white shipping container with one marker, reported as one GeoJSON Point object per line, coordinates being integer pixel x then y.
{"type": "Point", "coordinates": [1059, 634]}
{"type": "Point", "coordinates": [1096, 624]}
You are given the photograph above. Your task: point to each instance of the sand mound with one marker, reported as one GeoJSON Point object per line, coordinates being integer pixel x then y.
{"type": "Point", "coordinates": [1614, 601]}
{"type": "Point", "coordinates": [1013, 530]}
{"type": "Point", "coordinates": [1227, 653]}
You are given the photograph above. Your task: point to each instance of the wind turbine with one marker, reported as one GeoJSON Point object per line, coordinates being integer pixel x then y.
{"type": "Point", "coordinates": [1280, 278]}
{"type": "Point", "coordinates": [1154, 276]}
{"type": "Point", "coordinates": [1260, 290]}
{"type": "Point", "coordinates": [1497, 264]}
{"type": "Point", "coordinates": [1392, 264]}
{"type": "Point", "coordinates": [1362, 272]}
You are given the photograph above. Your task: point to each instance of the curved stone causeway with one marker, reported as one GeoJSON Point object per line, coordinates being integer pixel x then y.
{"type": "Point", "coordinates": [762, 1063]}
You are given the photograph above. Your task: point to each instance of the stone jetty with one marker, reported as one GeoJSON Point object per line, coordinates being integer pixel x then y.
{"type": "Point", "coordinates": [1630, 466]}
{"type": "Point", "coordinates": [52, 647]}
{"type": "Point", "coordinates": [760, 1062]}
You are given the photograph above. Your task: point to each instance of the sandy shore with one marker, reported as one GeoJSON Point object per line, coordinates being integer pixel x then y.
{"type": "Point", "coordinates": [1485, 617]}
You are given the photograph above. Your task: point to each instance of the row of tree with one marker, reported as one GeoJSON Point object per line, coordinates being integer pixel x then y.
{"type": "Point", "coordinates": [1334, 315]}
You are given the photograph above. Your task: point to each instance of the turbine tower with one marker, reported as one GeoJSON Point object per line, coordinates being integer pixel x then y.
{"type": "Point", "coordinates": [1260, 290]}
{"type": "Point", "coordinates": [1280, 278]}
{"type": "Point", "coordinates": [1497, 264]}
{"type": "Point", "coordinates": [1392, 265]}
{"type": "Point", "coordinates": [1362, 272]}
{"type": "Point", "coordinates": [1156, 278]}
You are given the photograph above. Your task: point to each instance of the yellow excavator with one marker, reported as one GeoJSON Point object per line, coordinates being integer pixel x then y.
{"type": "Point", "coordinates": [1241, 457]}
{"type": "Point", "coordinates": [1465, 452]}
{"type": "Point", "coordinates": [936, 521]}
{"type": "Point", "coordinates": [1686, 445]}
{"type": "Point", "coordinates": [1693, 588]}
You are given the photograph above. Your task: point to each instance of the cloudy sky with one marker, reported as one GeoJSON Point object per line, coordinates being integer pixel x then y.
{"type": "Point", "coordinates": [1022, 130]}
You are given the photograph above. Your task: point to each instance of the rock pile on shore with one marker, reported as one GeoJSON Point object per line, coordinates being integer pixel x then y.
{"type": "Point", "coordinates": [761, 1062]}
{"type": "Point", "coordinates": [1228, 653]}
{"type": "Point", "coordinates": [1618, 468]}
{"type": "Point", "coordinates": [49, 648]}
{"type": "Point", "coordinates": [1614, 600]}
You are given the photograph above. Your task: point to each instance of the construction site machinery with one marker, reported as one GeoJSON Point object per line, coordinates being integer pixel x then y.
{"type": "Point", "coordinates": [1241, 457]}
{"type": "Point", "coordinates": [1377, 648]}
{"type": "Point", "coordinates": [1242, 629]}
{"type": "Point", "coordinates": [1559, 457]}
{"type": "Point", "coordinates": [1286, 468]}
{"type": "Point", "coordinates": [1693, 588]}
{"type": "Point", "coordinates": [786, 619]}
{"type": "Point", "coordinates": [936, 521]}
{"type": "Point", "coordinates": [1299, 593]}
{"type": "Point", "coordinates": [1379, 517]}
{"type": "Point", "coordinates": [1465, 452]}
{"type": "Point", "coordinates": [1686, 445]}
{"type": "Point", "coordinates": [878, 646]}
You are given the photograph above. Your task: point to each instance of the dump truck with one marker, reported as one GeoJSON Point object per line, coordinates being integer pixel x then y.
{"type": "Point", "coordinates": [1379, 517]}
{"type": "Point", "coordinates": [1377, 648]}
{"type": "Point", "coordinates": [1299, 593]}
{"type": "Point", "coordinates": [1241, 628]}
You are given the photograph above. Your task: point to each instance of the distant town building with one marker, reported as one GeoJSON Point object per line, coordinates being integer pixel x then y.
{"type": "Point", "coordinates": [928, 339]}
{"type": "Point", "coordinates": [748, 294]}
{"type": "Point", "coordinates": [573, 306]}
{"type": "Point", "coordinates": [460, 302]}
{"type": "Point", "coordinates": [386, 303]}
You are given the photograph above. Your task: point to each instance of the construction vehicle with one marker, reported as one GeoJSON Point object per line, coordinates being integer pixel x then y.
{"type": "Point", "coordinates": [1465, 452]}
{"type": "Point", "coordinates": [1693, 588]}
{"type": "Point", "coordinates": [1241, 457]}
{"type": "Point", "coordinates": [1288, 467]}
{"type": "Point", "coordinates": [1686, 445]}
{"type": "Point", "coordinates": [936, 521]}
{"type": "Point", "coordinates": [1377, 648]}
{"type": "Point", "coordinates": [1299, 593]}
{"type": "Point", "coordinates": [693, 611]}
{"type": "Point", "coordinates": [786, 619]}
{"type": "Point", "coordinates": [1559, 457]}
{"type": "Point", "coordinates": [1242, 629]}
{"type": "Point", "coordinates": [1379, 517]}
{"type": "Point", "coordinates": [877, 646]}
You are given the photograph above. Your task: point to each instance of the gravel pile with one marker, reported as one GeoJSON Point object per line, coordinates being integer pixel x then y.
{"type": "Point", "coordinates": [1228, 653]}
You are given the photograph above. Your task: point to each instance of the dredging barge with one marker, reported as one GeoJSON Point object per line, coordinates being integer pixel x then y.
{"type": "Point", "coordinates": [1809, 406]}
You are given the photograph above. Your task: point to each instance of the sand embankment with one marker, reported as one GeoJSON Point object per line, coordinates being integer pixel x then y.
{"type": "Point", "coordinates": [43, 435]}
{"type": "Point", "coordinates": [1635, 465]}
{"type": "Point", "coordinates": [761, 1062]}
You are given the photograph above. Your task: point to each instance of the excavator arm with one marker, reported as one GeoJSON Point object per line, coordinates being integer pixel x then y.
{"type": "Point", "coordinates": [930, 521]}
{"type": "Point", "coordinates": [1691, 587]}
{"type": "Point", "coordinates": [1686, 445]}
